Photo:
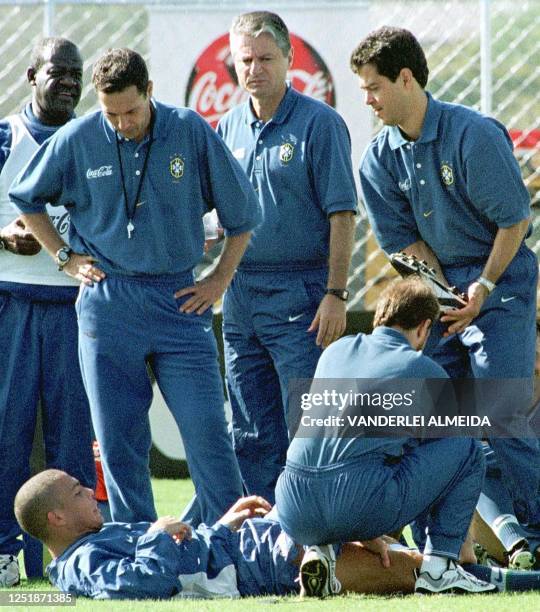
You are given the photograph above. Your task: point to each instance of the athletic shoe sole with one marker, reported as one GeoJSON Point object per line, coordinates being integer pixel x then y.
{"type": "Point", "coordinates": [314, 579]}
{"type": "Point", "coordinates": [522, 560]}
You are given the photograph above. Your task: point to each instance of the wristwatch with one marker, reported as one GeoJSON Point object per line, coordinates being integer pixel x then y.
{"type": "Point", "coordinates": [342, 294]}
{"type": "Point", "coordinates": [485, 282]}
{"type": "Point", "coordinates": [62, 256]}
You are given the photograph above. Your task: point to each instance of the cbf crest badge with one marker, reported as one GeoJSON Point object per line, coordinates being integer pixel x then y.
{"type": "Point", "coordinates": [176, 167]}
{"type": "Point", "coordinates": [286, 152]}
{"type": "Point", "coordinates": [447, 174]}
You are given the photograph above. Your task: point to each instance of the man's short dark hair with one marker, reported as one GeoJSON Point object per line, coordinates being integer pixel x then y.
{"type": "Point", "coordinates": [119, 69]}
{"type": "Point", "coordinates": [52, 43]}
{"type": "Point", "coordinates": [406, 303]}
{"type": "Point", "coordinates": [390, 50]}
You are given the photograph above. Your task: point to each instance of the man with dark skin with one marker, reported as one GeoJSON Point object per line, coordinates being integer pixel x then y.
{"type": "Point", "coordinates": [38, 327]}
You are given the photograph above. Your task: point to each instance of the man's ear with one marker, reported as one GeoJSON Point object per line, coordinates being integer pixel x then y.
{"type": "Point", "coordinates": [55, 518]}
{"type": "Point", "coordinates": [290, 56]}
{"type": "Point", "coordinates": [31, 75]}
{"type": "Point", "coordinates": [406, 77]}
{"type": "Point", "coordinates": [423, 332]}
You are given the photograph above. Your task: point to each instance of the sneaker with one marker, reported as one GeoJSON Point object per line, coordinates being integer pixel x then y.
{"type": "Point", "coordinates": [318, 572]}
{"type": "Point", "coordinates": [9, 571]}
{"type": "Point", "coordinates": [453, 580]}
{"type": "Point", "coordinates": [520, 557]}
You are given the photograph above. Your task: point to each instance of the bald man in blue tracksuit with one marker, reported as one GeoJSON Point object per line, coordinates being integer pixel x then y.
{"type": "Point", "coordinates": [288, 298]}
{"type": "Point", "coordinates": [137, 179]}
{"type": "Point", "coordinates": [126, 561]}
{"type": "Point", "coordinates": [440, 182]}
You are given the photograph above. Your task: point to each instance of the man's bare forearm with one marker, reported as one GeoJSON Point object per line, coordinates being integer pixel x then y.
{"type": "Point", "coordinates": [424, 253]}
{"type": "Point", "coordinates": [342, 226]}
{"type": "Point", "coordinates": [233, 250]}
{"type": "Point", "coordinates": [505, 246]}
{"type": "Point", "coordinates": [44, 231]}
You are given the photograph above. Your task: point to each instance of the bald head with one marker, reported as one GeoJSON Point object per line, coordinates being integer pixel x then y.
{"type": "Point", "coordinates": [35, 499]}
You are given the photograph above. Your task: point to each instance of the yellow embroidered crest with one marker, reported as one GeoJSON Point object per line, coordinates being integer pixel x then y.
{"type": "Point", "coordinates": [176, 167]}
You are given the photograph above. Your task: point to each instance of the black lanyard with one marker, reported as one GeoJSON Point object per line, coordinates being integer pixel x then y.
{"type": "Point", "coordinates": [130, 212]}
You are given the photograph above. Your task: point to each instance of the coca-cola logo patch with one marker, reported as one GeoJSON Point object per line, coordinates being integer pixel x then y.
{"type": "Point", "coordinates": [213, 88]}
{"type": "Point", "coordinates": [99, 172]}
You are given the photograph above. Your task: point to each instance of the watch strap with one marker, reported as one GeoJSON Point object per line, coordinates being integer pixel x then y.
{"type": "Point", "coordinates": [485, 282]}
{"type": "Point", "coordinates": [342, 294]}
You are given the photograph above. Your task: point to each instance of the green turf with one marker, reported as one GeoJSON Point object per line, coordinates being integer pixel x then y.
{"type": "Point", "coordinates": [172, 496]}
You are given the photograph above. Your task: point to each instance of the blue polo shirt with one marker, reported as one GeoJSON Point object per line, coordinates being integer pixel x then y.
{"type": "Point", "coordinates": [299, 163]}
{"type": "Point", "coordinates": [384, 355]}
{"type": "Point", "coordinates": [190, 171]}
{"type": "Point", "coordinates": [453, 188]}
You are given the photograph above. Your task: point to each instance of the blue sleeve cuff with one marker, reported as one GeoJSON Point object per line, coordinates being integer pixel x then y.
{"type": "Point", "coordinates": [26, 208]}
{"type": "Point", "coordinates": [342, 207]}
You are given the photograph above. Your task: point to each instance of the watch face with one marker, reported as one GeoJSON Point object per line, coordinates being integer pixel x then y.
{"type": "Point", "coordinates": [63, 255]}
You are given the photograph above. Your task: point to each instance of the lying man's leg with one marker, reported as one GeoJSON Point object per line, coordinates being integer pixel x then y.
{"type": "Point", "coordinates": [359, 570]}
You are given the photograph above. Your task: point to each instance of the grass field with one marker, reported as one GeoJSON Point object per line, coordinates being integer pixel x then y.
{"type": "Point", "coordinates": [172, 496]}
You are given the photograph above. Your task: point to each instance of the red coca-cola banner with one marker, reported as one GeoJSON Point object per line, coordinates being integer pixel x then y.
{"type": "Point", "coordinates": [213, 87]}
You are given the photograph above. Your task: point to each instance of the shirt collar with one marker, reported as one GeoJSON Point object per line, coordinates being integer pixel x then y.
{"type": "Point", "coordinates": [29, 115]}
{"type": "Point", "coordinates": [283, 110]}
{"type": "Point", "coordinates": [429, 129]}
{"type": "Point", "coordinates": [390, 332]}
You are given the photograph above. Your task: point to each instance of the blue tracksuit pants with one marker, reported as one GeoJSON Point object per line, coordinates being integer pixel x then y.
{"type": "Point", "coordinates": [265, 321]}
{"type": "Point", "coordinates": [500, 343]}
{"type": "Point", "coordinates": [38, 364]}
{"type": "Point", "coordinates": [125, 323]}
{"type": "Point", "coordinates": [439, 480]}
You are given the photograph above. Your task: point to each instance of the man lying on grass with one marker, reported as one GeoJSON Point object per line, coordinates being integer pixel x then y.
{"type": "Point", "coordinates": [243, 554]}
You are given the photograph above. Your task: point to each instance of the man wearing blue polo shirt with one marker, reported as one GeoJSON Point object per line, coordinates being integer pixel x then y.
{"type": "Point", "coordinates": [288, 297]}
{"type": "Point", "coordinates": [38, 326]}
{"type": "Point", "coordinates": [347, 484]}
{"type": "Point", "coordinates": [440, 182]}
{"type": "Point", "coordinates": [137, 178]}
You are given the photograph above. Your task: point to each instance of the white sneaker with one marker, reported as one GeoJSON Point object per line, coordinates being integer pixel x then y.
{"type": "Point", "coordinates": [453, 580]}
{"type": "Point", "coordinates": [9, 571]}
{"type": "Point", "coordinates": [318, 572]}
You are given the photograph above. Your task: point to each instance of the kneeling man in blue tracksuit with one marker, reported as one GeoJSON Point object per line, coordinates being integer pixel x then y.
{"type": "Point", "coordinates": [344, 489]}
